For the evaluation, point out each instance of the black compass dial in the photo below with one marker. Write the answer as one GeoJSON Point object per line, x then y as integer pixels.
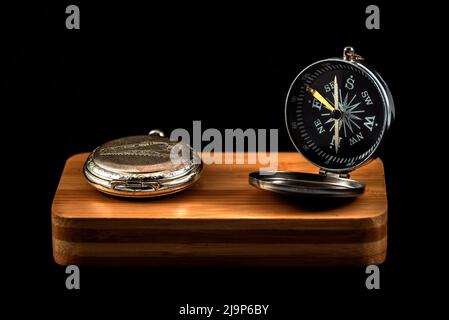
{"type": "Point", "coordinates": [336, 114]}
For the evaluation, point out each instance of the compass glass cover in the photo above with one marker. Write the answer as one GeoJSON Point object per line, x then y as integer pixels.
{"type": "Point", "coordinates": [336, 135]}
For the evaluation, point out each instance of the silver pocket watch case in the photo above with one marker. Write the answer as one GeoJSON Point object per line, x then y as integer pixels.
{"type": "Point", "coordinates": [142, 166]}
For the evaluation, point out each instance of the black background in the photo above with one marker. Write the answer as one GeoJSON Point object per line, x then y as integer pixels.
{"type": "Point", "coordinates": [132, 68]}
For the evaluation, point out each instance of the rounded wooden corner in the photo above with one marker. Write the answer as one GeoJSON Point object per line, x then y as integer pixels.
{"type": "Point", "coordinates": [63, 252]}
{"type": "Point", "coordinates": [377, 221]}
{"type": "Point", "coordinates": [58, 257]}
{"type": "Point", "coordinates": [377, 259]}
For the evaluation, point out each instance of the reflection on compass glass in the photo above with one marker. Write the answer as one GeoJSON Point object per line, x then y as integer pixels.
{"type": "Point", "coordinates": [336, 114]}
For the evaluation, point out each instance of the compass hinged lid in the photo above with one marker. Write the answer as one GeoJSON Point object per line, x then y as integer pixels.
{"type": "Point", "coordinates": [307, 184]}
{"type": "Point", "coordinates": [142, 166]}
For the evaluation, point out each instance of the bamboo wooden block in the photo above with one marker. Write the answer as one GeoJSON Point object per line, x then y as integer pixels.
{"type": "Point", "coordinates": [221, 220]}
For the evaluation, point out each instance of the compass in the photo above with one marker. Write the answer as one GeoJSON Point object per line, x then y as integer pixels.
{"type": "Point", "coordinates": [337, 112]}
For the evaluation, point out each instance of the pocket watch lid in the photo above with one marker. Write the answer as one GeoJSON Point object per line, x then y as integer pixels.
{"type": "Point", "coordinates": [138, 155]}
{"type": "Point", "coordinates": [306, 184]}
{"type": "Point", "coordinates": [142, 166]}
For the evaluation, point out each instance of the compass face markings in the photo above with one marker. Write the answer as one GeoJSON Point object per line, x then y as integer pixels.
{"type": "Point", "coordinates": [370, 122]}
{"type": "Point", "coordinates": [360, 115]}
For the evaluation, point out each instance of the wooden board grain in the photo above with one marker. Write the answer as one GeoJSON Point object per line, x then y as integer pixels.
{"type": "Point", "coordinates": [221, 220]}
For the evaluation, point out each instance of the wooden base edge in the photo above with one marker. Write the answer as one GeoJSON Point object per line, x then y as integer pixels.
{"type": "Point", "coordinates": [220, 255]}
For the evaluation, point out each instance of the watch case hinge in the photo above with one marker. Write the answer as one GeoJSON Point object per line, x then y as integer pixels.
{"type": "Point", "coordinates": [136, 185]}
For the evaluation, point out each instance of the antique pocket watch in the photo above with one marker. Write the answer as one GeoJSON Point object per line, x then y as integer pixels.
{"type": "Point", "coordinates": [142, 166]}
{"type": "Point", "coordinates": [337, 112]}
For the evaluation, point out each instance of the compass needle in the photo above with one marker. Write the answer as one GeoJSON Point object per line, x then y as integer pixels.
{"type": "Point", "coordinates": [337, 124]}
{"type": "Point", "coordinates": [320, 98]}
